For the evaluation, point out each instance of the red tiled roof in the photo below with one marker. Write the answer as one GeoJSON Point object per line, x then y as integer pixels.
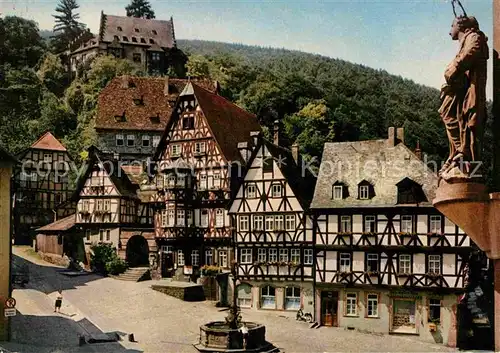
{"type": "Point", "coordinates": [117, 100]}
{"type": "Point", "coordinates": [60, 225]}
{"type": "Point", "coordinates": [229, 123]}
{"type": "Point", "coordinates": [48, 142]}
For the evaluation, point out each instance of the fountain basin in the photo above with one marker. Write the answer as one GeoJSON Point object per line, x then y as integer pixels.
{"type": "Point", "coordinates": [217, 336]}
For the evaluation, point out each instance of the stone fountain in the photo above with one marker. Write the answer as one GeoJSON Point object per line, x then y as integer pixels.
{"type": "Point", "coordinates": [233, 334]}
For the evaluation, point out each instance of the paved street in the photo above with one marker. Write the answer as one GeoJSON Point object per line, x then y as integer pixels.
{"type": "Point", "coordinates": [160, 323]}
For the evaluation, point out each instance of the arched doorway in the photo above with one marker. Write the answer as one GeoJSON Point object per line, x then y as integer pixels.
{"type": "Point", "coordinates": [137, 251]}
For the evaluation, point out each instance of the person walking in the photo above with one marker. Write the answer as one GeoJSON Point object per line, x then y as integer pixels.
{"type": "Point", "coordinates": [58, 303]}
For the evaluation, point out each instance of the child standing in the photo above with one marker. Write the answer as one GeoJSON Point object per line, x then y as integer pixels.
{"type": "Point", "coordinates": [58, 304]}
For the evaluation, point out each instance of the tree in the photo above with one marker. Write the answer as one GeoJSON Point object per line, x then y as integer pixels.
{"type": "Point", "coordinates": [67, 28]}
{"type": "Point", "coordinates": [20, 43]}
{"type": "Point", "coordinates": [53, 75]}
{"type": "Point", "coordinates": [140, 9]}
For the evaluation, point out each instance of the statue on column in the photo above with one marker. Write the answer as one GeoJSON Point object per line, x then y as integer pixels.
{"type": "Point", "coordinates": [463, 99]}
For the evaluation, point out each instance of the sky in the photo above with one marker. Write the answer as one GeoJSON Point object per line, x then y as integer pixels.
{"type": "Point", "coordinates": [404, 37]}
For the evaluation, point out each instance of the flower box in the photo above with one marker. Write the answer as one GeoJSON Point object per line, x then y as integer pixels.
{"type": "Point", "coordinates": [432, 327]}
{"type": "Point", "coordinates": [402, 274]}
{"type": "Point", "coordinates": [405, 234]}
{"type": "Point", "coordinates": [372, 273]}
{"type": "Point", "coordinates": [345, 234]}
{"type": "Point", "coordinates": [435, 234]}
{"type": "Point", "coordinates": [208, 270]}
{"type": "Point", "coordinates": [433, 275]}
{"type": "Point", "coordinates": [369, 234]}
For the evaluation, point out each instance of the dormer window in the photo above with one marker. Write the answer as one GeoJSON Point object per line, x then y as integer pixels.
{"type": "Point", "coordinates": [151, 41]}
{"type": "Point", "coordinates": [139, 101]}
{"type": "Point", "coordinates": [134, 39]}
{"type": "Point", "coordinates": [188, 122]}
{"type": "Point", "coordinates": [120, 118]}
{"type": "Point", "coordinates": [365, 190]}
{"type": "Point", "coordinates": [143, 40]}
{"type": "Point", "coordinates": [136, 30]}
{"type": "Point", "coordinates": [154, 32]}
{"type": "Point", "coordinates": [116, 38]}
{"type": "Point", "coordinates": [119, 28]}
{"type": "Point", "coordinates": [410, 192]}
{"type": "Point", "coordinates": [339, 191]}
{"type": "Point", "coordinates": [155, 119]}
{"type": "Point", "coordinates": [125, 39]}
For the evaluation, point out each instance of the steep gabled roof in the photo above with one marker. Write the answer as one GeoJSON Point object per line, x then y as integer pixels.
{"type": "Point", "coordinates": [48, 142]}
{"type": "Point", "coordinates": [145, 103]}
{"type": "Point", "coordinates": [229, 123]}
{"type": "Point", "coordinates": [5, 156]}
{"type": "Point", "coordinates": [139, 28]}
{"type": "Point", "coordinates": [383, 165]}
{"type": "Point", "coordinates": [116, 174]}
{"type": "Point", "coordinates": [60, 225]}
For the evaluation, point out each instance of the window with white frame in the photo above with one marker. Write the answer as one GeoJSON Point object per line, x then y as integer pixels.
{"type": "Point", "coordinates": [204, 218]}
{"type": "Point", "coordinates": [145, 140]}
{"type": "Point", "coordinates": [337, 193]}
{"type": "Point", "coordinates": [243, 223]}
{"type": "Point", "coordinates": [180, 258]}
{"type": "Point", "coordinates": [372, 305]}
{"type": "Point", "coordinates": [273, 255]}
{"type": "Point", "coordinates": [199, 147]}
{"type": "Point", "coordinates": [222, 258]}
{"type": "Point", "coordinates": [278, 222]}
{"type": "Point", "coordinates": [85, 205]}
{"type": "Point", "coordinates": [209, 257]}
{"type": "Point", "coordinates": [202, 185]}
{"type": "Point", "coordinates": [180, 217]}
{"type": "Point", "coordinates": [107, 205]}
{"type": "Point", "coordinates": [261, 254]}
{"type": "Point", "coordinates": [195, 257]}
{"type": "Point", "coordinates": [434, 263]}
{"type": "Point", "coordinates": [244, 295]}
{"type": "Point", "coordinates": [219, 218]}
{"type": "Point", "coordinates": [170, 218]}
{"type": "Point", "coordinates": [101, 235]}
{"type": "Point", "coordinates": [176, 150]}
{"type": "Point", "coordinates": [269, 223]}
{"type": "Point", "coordinates": [100, 205]}
{"type": "Point", "coordinates": [295, 256]}
{"type": "Point", "coordinates": [156, 141]}
{"type": "Point", "coordinates": [434, 310]}
{"type": "Point", "coordinates": [370, 224]}
{"type": "Point", "coordinates": [351, 307]}
{"type": "Point", "coordinates": [47, 158]}
{"type": "Point", "coordinates": [290, 222]}
{"type": "Point", "coordinates": [246, 256]}
{"type": "Point", "coordinates": [372, 262]}
{"type": "Point", "coordinates": [345, 224]}
{"type": "Point", "coordinates": [364, 192]}
{"type": "Point", "coordinates": [108, 235]}
{"type": "Point", "coordinates": [406, 224]}
{"type": "Point", "coordinates": [119, 140]}
{"type": "Point", "coordinates": [435, 224]}
{"type": "Point", "coordinates": [216, 180]}
{"type": "Point", "coordinates": [251, 191]}
{"type": "Point", "coordinates": [308, 256]}
{"type": "Point", "coordinates": [34, 176]}
{"type": "Point", "coordinates": [276, 190]}
{"type": "Point", "coordinates": [292, 298]}
{"type": "Point", "coordinates": [345, 262]}
{"type": "Point", "coordinates": [130, 140]}
{"type": "Point", "coordinates": [189, 217]}
{"type": "Point", "coordinates": [283, 255]}
{"type": "Point", "coordinates": [258, 223]}
{"type": "Point", "coordinates": [404, 263]}
{"type": "Point", "coordinates": [268, 297]}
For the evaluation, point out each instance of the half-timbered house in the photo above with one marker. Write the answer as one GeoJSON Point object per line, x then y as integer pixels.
{"type": "Point", "coordinates": [386, 260]}
{"type": "Point", "coordinates": [109, 208]}
{"type": "Point", "coordinates": [273, 232]}
{"type": "Point", "coordinates": [132, 114]}
{"type": "Point", "coordinates": [198, 165]}
{"type": "Point", "coordinates": [41, 184]}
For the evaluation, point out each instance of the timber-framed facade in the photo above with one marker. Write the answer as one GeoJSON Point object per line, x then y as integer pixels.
{"type": "Point", "coordinates": [41, 186]}
{"type": "Point", "coordinates": [198, 166]}
{"type": "Point", "coordinates": [382, 252]}
{"type": "Point", "coordinates": [273, 231]}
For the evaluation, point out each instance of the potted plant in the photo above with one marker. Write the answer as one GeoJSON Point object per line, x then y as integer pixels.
{"type": "Point", "coordinates": [433, 324]}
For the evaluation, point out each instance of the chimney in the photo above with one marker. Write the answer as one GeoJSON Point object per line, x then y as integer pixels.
{"type": "Point", "coordinates": [295, 152]}
{"type": "Point", "coordinates": [391, 139]}
{"type": "Point", "coordinates": [216, 87]}
{"type": "Point", "coordinates": [418, 151]}
{"type": "Point", "coordinates": [400, 134]}
{"type": "Point", "coordinates": [276, 139]}
{"type": "Point", "coordinates": [165, 88]}
{"type": "Point", "coordinates": [124, 82]}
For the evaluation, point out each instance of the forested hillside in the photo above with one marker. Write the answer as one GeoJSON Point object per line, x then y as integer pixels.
{"type": "Point", "coordinates": [318, 99]}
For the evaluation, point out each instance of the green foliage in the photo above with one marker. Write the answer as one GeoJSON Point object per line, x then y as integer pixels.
{"type": "Point", "coordinates": [116, 266]}
{"type": "Point", "coordinates": [103, 258]}
{"type": "Point", "coordinates": [52, 74]}
{"type": "Point", "coordinates": [140, 9]}
{"type": "Point", "coordinates": [67, 27]}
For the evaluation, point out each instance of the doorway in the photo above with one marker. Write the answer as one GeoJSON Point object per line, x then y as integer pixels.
{"type": "Point", "coordinates": [137, 251]}
{"type": "Point", "coordinates": [403, 316]}
{"type": "Point", "coordinates": [329, 308]}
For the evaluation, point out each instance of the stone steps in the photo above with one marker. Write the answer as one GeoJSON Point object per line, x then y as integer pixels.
{"type": "Point", "coordinates": [134, 274]}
